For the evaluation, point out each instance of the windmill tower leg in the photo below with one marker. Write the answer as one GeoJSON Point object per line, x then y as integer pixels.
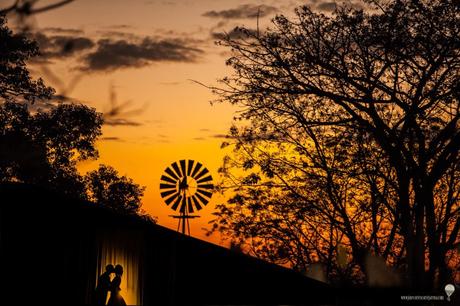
{"type": "Point", "coordinates": [183, 219]}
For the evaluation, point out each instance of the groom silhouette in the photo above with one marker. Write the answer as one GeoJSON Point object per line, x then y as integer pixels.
{"type": "Point", "coordinates": [103, 286]}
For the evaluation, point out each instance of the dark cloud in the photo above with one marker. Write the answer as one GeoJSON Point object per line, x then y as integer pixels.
{"type": "Point", "coordinates": [210, 134]}
{"type": "Point", "coordinates": [234, 34]}
{"type": "Point", "coordinates": [327, 6]}
{"type": "Point", "coordinates": [59, 46]}
{"type": "Point", "coordinates": [63, 30]}
{"type": "Point", "coordinates": [121, 122]}
{"type": "Point", "coordinates": [245, 11]}
{"type": "Point", "coordinates": [114, 54]}
{"type": "Point", "coordinates": [116, 34]}
{"type": "Point", "coordinates": [331, 6]}
{"type": "Point", "coordinates": [116, 50]}
{"type": "Point", "coordinates": [221, 136]}
{"type": "Point", "coordinates": [110, 138]}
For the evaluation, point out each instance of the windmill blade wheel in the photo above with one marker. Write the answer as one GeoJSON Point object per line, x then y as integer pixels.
{"type": "Point", "coordinates": [186, 186]}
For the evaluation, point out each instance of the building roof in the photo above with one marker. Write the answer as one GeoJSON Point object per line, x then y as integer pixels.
{"type": "Point", "coordinates": [57, 234]}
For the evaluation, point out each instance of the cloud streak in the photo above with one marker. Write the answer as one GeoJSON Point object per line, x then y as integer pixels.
{"type": "Point", "coordinates": [330, 6]}
{"type": "Point", "coordinates": [112, 54]}
{"type": "Point", "coordinates": [245, 11]}
{"type": "Point", "coordinates": [110, 138]}
{"type": "Point", "coordinates": [115, 50]}
{"type": "Point", "coordinates": [67, 31]}
{"type": "Point", "coordinates": [61, 46]}
{"type": "Point", "coordinates": [121, 122]}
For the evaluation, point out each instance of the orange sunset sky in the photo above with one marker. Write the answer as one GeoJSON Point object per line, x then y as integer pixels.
{"type": "Point", "coordinates": [142, 55]}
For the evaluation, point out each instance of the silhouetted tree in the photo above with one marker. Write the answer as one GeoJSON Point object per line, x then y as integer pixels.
{"type": "Point", "coordinates": [44, 148]}
{"type": "Point", "coordinates": [42, 144]}
{"type": "Point", "coordinates": [107, 188]}
{"type": "Point", "coordinates": [22, 158]}
{"type": "Point", "coordinates": [39, 147]}
{"type": "Point", "coordinates": [15, 81]}
{"type": "Point", "coordinates": [351, 139]}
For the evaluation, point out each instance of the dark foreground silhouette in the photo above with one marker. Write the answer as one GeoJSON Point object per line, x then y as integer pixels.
{"type": "Point", "coordinates": [63, 235]}
{"type": "Point", "coordinates": [103, 286]}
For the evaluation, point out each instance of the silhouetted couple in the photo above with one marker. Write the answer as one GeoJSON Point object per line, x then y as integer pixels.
{"type": "Point", "coordinates": [106, 285]}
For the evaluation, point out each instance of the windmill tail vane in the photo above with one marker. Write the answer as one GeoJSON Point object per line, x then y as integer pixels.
{"type": "Point", "coordinates": [186, 186]}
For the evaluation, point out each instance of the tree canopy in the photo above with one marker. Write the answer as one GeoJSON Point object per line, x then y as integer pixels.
{"type": "Point", "coordinates": [42, 144]}
{"type": "Point", "coordinates": [15, 80]}
{"type": "Point", "coordinates": [44, 148]}
{"type": "Point", "coordinates": [348, 140]}
{"type": "Point", "coordinates": [109, 189]}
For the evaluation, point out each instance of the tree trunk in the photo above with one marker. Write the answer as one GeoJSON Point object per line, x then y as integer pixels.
{"type": "Point", "coordinates": [436, 253]}
{"type": "Point", "coordinates": [411, 221]}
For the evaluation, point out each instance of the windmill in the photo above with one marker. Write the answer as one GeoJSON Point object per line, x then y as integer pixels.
{"type": "Point", "coordinates": [186, 186]}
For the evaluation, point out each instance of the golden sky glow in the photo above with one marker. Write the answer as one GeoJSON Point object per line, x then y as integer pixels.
{"type": "Point", "coordinates": [177, 120]}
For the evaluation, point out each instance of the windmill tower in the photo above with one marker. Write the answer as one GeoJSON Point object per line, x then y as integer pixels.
{"type": "Point", "coordinates": [186, 186]}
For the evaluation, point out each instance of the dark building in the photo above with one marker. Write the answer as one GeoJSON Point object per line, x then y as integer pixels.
{"type": "Point", "coordinates": [53, 248]}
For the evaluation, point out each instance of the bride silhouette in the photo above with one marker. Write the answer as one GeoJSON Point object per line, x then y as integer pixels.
{"type": "Point", "coordinates": [115, 297]}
